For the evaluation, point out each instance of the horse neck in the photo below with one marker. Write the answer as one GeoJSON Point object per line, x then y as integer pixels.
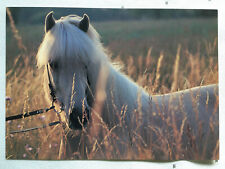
{"type": "Point", "coordinates": [126, 92]}
{"type": "Point", "coordinates": [120, 90]}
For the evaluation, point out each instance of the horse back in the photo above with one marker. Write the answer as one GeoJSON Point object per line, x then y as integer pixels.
{"type": "Point", "coordinates": [189, 118]}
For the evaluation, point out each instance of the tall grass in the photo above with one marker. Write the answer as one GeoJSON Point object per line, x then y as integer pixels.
{"type": "Point", "coordinates": [156, 73]}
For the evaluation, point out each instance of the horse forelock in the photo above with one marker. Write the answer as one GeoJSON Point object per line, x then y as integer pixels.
{"type": "Point", "coordinates": [67, 43]}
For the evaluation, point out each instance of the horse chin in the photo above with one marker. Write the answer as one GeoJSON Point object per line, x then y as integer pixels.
{"type": "Point", "coordinates": [77, 121]}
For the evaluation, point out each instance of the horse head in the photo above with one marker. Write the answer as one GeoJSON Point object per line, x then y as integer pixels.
{"type": "Point", "coordinates": [65, 49]}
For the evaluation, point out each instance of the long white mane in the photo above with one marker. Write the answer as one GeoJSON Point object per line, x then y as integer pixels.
{"type": "Point", "coordinates": [68, 44]}
{"type": "Point", "coordinates": [65, 42]}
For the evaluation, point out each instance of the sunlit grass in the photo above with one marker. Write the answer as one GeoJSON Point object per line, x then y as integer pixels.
{"type": "Point", "coordinates": [157, 67]}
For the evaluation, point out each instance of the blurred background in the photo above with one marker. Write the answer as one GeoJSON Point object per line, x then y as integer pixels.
{"type": "Point", "coordinates": [35, 15]}
{"type": "Point", "coordinates": [121, 29]}
{"type": "Point", "coordinates": [163, 50]}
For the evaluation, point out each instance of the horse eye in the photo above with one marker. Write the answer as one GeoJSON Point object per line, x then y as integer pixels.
{"type": "Point", "coordinates": [54, 65]}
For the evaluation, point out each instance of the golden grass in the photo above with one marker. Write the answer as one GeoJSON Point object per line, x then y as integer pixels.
{"type": "Point", "coordinates": [24, 86]}
{"type": "Point", "coordinates": [15, 31]}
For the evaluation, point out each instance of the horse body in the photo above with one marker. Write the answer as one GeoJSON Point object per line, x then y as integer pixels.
{"type": "Point", "coordinates": [193, 113]}
{"type": "Point", "coordinates": [77, 59]}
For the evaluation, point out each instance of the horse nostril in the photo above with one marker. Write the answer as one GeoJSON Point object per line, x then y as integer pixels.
{"type": "Point", "coordinates": [78, 119]}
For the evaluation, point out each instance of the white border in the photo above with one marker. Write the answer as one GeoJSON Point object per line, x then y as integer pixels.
{"type": "Point", "coordinates": [181, 4]}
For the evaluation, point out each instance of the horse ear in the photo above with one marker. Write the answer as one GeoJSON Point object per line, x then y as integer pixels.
{"type": "Point", "coordinates": [49, 21]}
{"type": "Point", "coordinates": [84, 23]}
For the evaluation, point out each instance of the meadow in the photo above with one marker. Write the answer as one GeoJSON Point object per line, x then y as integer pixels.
{"type": "Point", "coordinates": [160, 55]}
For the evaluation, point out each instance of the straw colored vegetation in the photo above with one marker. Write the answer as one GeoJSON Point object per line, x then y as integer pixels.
{"type": "Point", "coordinates": [159, 67]}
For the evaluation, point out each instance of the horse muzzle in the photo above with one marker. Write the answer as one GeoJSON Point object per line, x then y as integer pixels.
{"type": "Point", "coordinates": [78, 118]}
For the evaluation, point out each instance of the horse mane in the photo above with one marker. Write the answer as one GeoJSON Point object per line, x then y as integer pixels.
{"type": "Point", "coordinates": [66, 41]}
{"type": "Point", "coordinates": [67, 44]}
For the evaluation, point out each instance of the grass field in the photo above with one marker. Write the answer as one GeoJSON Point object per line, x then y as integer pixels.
{"type": "Point", "coordinates": [148, 51]}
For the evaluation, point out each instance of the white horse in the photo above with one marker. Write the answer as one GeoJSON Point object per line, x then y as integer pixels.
{"type": "Point", "coordinates": [99, 99]}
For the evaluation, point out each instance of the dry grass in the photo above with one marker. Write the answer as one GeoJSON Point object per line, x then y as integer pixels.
{"type": "Point", "coordinates": [25, 88]}
{"type": "Point", "coordinates": [155, 74]}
